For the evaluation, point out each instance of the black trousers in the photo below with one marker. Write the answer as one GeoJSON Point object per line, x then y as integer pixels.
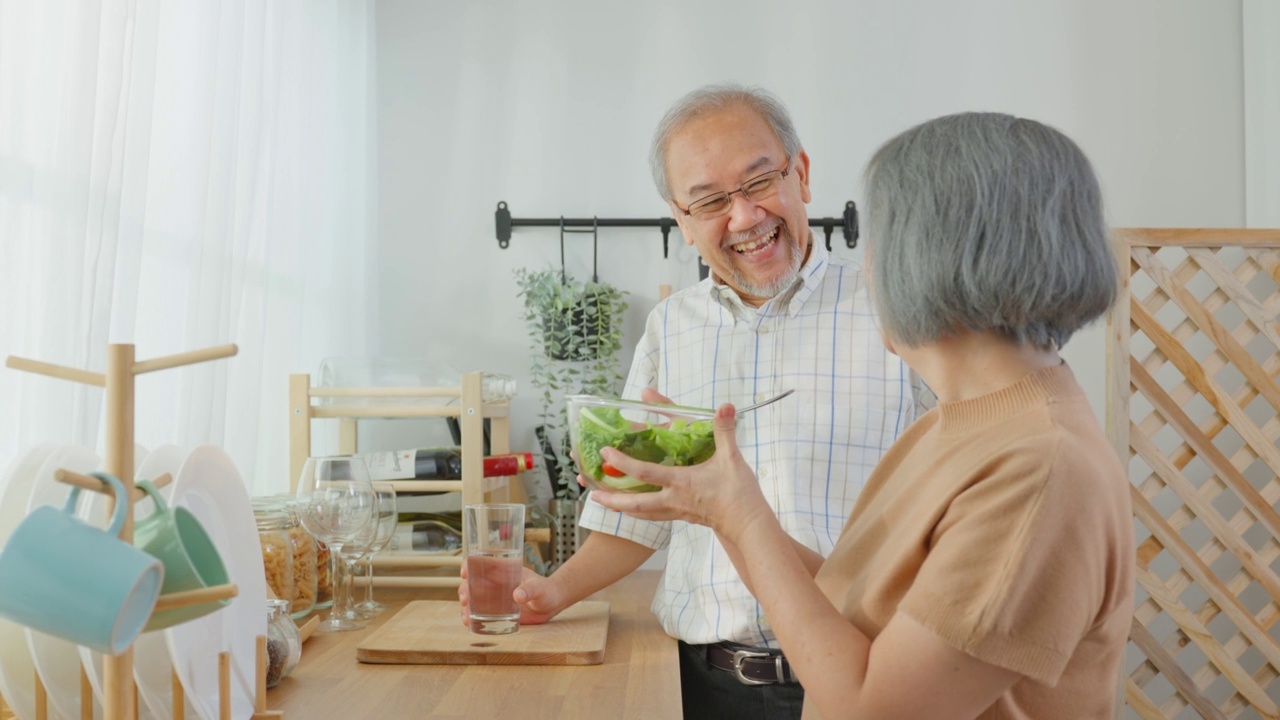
{"type": "Point", "coordinates": [709, 693]}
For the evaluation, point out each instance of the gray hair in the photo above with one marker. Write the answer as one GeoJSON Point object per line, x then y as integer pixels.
{"type": "Point", "coordinates": [712, 98]}
{"type": "Point", "coordinates": [984, 221]}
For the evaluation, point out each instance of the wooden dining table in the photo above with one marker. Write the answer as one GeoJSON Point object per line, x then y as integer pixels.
{"type": "Point", "coordinates": [639, 678]}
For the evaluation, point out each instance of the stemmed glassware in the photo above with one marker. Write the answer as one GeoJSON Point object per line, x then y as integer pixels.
{"type": "Point", "coordinates": [335, 503]}
{"type": "Point", "coordinates": [384, 529]}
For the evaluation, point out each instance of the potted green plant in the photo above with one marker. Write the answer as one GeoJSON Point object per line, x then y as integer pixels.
{"type": "Point", "coordinates": [575, 332]}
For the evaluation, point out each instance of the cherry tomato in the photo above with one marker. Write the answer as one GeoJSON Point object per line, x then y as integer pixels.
{"type": "Point", "coordinates": [610, 470]}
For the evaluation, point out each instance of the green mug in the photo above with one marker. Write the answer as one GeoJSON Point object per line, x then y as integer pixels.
{"type": "Point", "coordinates": [191, 561]}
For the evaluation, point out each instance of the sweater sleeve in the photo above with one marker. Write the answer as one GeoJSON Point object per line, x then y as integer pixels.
{"type": "Point", "coordinates": [1016, 567]}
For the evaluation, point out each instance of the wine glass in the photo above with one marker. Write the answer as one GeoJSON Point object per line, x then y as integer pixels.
{"type": "Point", "coordinates": [385, 529]}
{"type": "Point", "coordinates": [335, 502]}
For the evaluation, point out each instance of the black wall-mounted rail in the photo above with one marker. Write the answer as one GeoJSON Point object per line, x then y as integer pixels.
{"type": "Point", "coordinates": [503, 223]}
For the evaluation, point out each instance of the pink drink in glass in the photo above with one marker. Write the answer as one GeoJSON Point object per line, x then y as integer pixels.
{"type": "Point", "coordinates": [492, 576]}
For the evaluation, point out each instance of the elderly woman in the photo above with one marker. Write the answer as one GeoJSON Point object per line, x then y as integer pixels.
{"type": "Point", "coordinates": [986, 571]}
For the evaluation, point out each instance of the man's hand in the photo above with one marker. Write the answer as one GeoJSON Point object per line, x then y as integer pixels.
{"type": "Point", "coordinates": [538, 598]}
{"type": "Point", "coordinates": [653, 397]}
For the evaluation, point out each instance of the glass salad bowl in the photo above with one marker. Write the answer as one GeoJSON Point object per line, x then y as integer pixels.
{"type": "Point", "coordinates": [665, 434]}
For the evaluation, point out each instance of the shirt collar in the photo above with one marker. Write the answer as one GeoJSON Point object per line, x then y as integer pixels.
{"type": "Point", "coordinates": [810, 277]}
{"type": "Point", "coordinates": [790, 300]}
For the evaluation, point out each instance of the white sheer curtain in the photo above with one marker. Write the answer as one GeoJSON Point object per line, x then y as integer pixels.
{"type": "Point", "coordinates": [179, 175]}
{"type": "Point", "coordinates": [1262, 112]}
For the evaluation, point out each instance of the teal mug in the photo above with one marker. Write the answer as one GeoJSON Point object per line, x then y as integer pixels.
{"type": "Point", "coordinates": [71, 580]}
{"type": "Point", "coordinates": [191, 561]}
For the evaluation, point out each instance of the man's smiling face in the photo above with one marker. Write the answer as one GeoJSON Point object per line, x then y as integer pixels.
{"type": "Point", "coordinates": [756, 247]}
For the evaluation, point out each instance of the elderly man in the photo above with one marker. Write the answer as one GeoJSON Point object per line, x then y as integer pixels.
{"type": "Point", "coordinates": [776, 313]}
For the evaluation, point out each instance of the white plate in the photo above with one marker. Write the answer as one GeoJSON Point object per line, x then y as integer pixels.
{"type": "Point", "coordinates": [58, 660]}
{"type": "Point", "coordinates": [17, 669]}
{"type": "Point", "coordinates": [211, 488]}
{"type": "Point", "coordinates": [152, 669]}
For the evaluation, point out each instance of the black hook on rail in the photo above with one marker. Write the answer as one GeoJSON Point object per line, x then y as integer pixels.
{"type": "Point", "coordinates": [595, 248]}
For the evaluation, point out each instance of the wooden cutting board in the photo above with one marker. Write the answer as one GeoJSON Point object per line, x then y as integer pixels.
{"type": "Point", "coordinates": [430, 632]}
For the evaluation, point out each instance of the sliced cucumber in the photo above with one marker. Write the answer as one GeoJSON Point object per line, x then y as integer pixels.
{"type": "Point", "coordinates": [587, 416]}
{"type": "Point", "coordinates": [626, 483]}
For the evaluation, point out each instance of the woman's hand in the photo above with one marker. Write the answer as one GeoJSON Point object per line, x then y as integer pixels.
{"type": "Point", "coordinates": [721, 493]}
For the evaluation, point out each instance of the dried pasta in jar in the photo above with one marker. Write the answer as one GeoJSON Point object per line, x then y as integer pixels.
{"type": "Point", "coordinates": [277, 550]}
{"type": "Point", "coordinates": [305, 577]}
{"type": "Point", "coordinates": [324, 576]}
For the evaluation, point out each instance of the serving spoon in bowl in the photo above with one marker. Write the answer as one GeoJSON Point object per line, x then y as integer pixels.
{"type": "Point", "coordinates": [761, 404]}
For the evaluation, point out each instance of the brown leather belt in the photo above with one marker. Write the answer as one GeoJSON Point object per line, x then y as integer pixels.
{"type": "Point", "coordinates": [752, 666]}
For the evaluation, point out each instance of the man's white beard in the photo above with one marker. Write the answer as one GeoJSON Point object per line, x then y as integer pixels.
{"type": "Point", "coordinates": [784, 280]}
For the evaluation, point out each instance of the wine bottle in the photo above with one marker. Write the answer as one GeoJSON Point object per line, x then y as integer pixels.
{"type": "Point", "coordinates": [439, 464]}
{"type": "Point", "coordinates": [433, 532]}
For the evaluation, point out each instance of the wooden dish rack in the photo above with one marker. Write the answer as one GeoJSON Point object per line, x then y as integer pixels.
{"type": "Point", "coordinates": [352, 404]}
{"type": "Point", "coordinates": [120, 699]}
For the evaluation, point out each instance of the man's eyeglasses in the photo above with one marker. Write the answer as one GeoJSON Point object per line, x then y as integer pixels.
{"type": "Point", "coordinates": [756, 189]}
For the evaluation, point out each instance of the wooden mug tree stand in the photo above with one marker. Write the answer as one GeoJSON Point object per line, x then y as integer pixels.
{"type": "Point", "coordinates": [120, 699]}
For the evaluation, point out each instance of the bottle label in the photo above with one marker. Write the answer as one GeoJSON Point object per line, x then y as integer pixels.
{"type": "Point", "coordinates": [390, 465]}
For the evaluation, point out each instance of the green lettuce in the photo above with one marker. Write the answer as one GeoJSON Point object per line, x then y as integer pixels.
{"type": "Point", "coordinates": [680, 443]}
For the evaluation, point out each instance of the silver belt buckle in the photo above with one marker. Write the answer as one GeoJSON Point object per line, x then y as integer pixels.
{"type": "Point", "coordinates": [740, 655]}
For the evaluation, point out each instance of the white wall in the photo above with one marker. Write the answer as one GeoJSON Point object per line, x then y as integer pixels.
{"type": "Point", "coordinates": [1261, 21]}
{"type": "Point", "coordinates": [550, 106]}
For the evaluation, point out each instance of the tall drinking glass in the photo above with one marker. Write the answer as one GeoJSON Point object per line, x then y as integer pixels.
{"type": "Point", "coordinates": [385, 529]}
{"type": "Point", "coordinates": [494, 535]}
{"type": "Point", "coordinates": [335, 502]}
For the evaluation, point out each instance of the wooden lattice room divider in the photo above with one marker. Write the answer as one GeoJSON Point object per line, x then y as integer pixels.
{"type": "Point", "coordinates": [1193, 403]}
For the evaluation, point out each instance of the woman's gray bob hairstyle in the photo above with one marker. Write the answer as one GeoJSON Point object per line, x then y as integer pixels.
{"type": "Point", "coordinates": [710, 98]}
{"type": "Point", "coordinates": [983, 221]}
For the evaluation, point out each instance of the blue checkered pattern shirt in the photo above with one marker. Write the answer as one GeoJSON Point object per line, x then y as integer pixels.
{"type": "Point", "coordinates": [812, 451]}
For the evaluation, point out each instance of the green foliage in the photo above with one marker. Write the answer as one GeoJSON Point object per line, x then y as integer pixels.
{"type": "Point", "coordinates": [575, 332]}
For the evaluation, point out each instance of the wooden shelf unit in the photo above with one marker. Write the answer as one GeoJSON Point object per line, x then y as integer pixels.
{"type": "Point", "coordinates": [353, 404]}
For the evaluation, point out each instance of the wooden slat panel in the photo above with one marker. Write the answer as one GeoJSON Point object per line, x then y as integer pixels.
{"type": "Point", "coordinates": [1212, 456]}
{"type": "Point", "coordinates": [1137, 700]}
{"type": "Point", "coordinates": [1173, 672]}
{"type": "Point", "coordinates": [1230, 434]}
{"type": "Point", "coordinates": [1118, 361]}
{"type": "Point", "coordinates": [1207, 582]}
{"type": "Point", "coordinates": [1268, 260]}
{"type": "Point", "coordinates": [1222, 339]}
{"type": "Point", "coordinates": [1239, 294]}
{"type": "Point", "coordinates": [1170, 539]}
{"type": "Point", "coordinates": [1203, 237]}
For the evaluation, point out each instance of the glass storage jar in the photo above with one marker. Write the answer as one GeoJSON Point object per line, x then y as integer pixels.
{"type": "Point", "coordinates": [324, 577]}
{"type": "Point", "coordinates": [305, 558]}
{"type": "Point", "coordinates": [284, 644]}
{"type": "Point", "coordinates": [277, 551]}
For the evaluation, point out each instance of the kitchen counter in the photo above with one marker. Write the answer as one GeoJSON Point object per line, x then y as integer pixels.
{"type": "Point", "coordinates": [640, 676]}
